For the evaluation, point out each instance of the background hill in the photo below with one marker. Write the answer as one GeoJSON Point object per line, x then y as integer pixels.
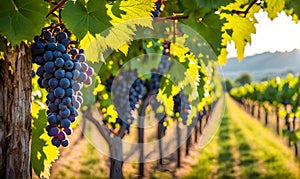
{"type": "Point", "coordinates": [264, 65]}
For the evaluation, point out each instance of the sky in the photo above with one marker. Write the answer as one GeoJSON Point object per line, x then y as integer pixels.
{"type": "Point", "coordinates": [282, 34]}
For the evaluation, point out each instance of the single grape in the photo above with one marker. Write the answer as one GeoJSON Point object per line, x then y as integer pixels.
{"type": "Point", "coordinates": [69, 92]}
{"type": "Point", "coordinates": [51, 46]}
{"type": "Point", "coordinates": [61, 135]}
{"type": "Point", "coordinates": [57, 54]}
{"type": "Point", "coordinates": [61, 48]}
{"type": "Point", "coordinates": [75, 74]}
{"type": "Point", "coordinates": [61, 36]}
{"type": "Point", "coordinates": [48, 56]}
{"type": "Point", "coordinates": [69, 75]}
{"type": "Point", "coordinates": [90, 71]}
{"type": "Point", "coordinates": [65, 123]}
{"type": "Point", "coordinates": [76, 86]}
{"type": "Point", "coordinates": [65, 42]}
{"type": "Point", "coordinates": [54, 131]}
{"type": "Point", "coordinates": [88, 81]}
{"type": "Point", "coordinates": [64, 83]}
{"type": "Point", "coordinates": [59, 74]}
{"type": "Point", "coordinates": [40, 71]}
{"type": "Point", "coordinates": [62, 106]}
{"type": "Point", "coordinates": [66, 100]}
{"type": "Point", "coordinates": [66, 57]}
{"type": "Point", "coordinates": [59, 62]}
{"type": "Point", "coordinates": [49, 67]}
{"type": "Point", "coordinates": [52, 119]}
{"type": "Point", "coordinates": [84, 67]}
{"type": "Point", "coordinates": [55, 141]}
{"type": "Point", "coordinates": [68, 131]}
{"type": "Point", "coordinates": [65, 143]}
{"type": "Point", "coordinates": [59, 92]}
{"type": "Point", "coordinates": [64, 113]}
{"type": "Point", "coordinates": [69, 65]}
{"type": "Point", "coordinates": [73, 51]}
{"type": "Point", "coordinates": [51, 97]}
{"type": "Point", "coordinates": [53, 82]}
{"type": "Point", "coordinates": [39, 60]}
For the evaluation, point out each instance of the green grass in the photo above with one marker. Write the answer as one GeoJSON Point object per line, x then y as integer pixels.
{"type": "Point", "coordinates": [243, 148]}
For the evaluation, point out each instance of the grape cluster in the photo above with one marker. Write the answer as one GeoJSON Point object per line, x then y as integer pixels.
{"type": "Point", "coordinates": [127, 90]}
{"type": "Point", "coordinates": [62, 72]}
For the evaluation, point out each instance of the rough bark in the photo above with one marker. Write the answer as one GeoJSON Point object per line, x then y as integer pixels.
{"type": "Point", "coordinates": [266, 117]}
{"type": "Point", "coordinates": [178, 143]}
{"type": "Point", "coordinates": [277, 121]}
{"type": "Point", "coordinates": [15, 113]}
{"type": "Point", "coordinates": [159, 137]}
{"type": "Point", "coordinates": [116, 163]}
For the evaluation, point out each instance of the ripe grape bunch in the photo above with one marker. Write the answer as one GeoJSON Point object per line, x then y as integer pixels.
{"type": "Point", "coordinates": [62, 72]}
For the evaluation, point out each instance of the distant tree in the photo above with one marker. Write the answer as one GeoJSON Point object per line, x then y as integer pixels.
{"type": "Point", "coordinates": [265, 78]}
{"type": "Point", "coordinates": [227, 84]}
{"type": "Point", "coordinates": [243, 79]}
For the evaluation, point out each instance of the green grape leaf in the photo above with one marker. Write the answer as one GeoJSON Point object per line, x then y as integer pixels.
{"type": "Point", "coordinates": [21, 20]}
{"type": "Point", "coordinates": [210, 29]}
{"type": "Point", "coordinates": [242, 28]}
{"type": "Point", "coordinates": [212, 4]}
{"type": "Point", "coordinates": [82, 17]}
{"type": "Point", "coordinates": [43, 153]}
{"type": "Point", "coordinates": [273, 7]}
{"type": "Point", "coordinates": [295, 7]}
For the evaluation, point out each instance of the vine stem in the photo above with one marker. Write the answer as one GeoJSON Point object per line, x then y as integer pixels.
{"type": "Point", "coordinates": [247, 10]}
{"type": "Point", "coordinates": [59, 5]}
{"type": "Point", "coordinates": [14, 4]}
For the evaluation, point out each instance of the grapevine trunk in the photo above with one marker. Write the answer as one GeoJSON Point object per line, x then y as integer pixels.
{"type": "Point", "coordinates": [15, 113]}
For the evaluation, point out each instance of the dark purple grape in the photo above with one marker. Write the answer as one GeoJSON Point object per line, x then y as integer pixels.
{"type": "Point", "coordinates": [59, 92]}
{"type": "Point", "coordinates": [66, 100]}
{"type": "Point", "coordinates": [69, 92]}
{"type": "Point", "coordinates": [69, 75]}
{"type": "Point", "coordinates": [38, 48]}
{"type": "Point", "coordinates": [68, 131]}
{"type": "Point", "coordinates": [69, 65]}
{"type": "Point", "coordinates": [52, 119]}
{"type": "Point", "coordinates": [39, 60]}
{"type": "Point", "coordinates": [73, 51]}
{"type": "Point", "coordinates": [53, 82]}
{"type": "Point", "coordinates": [65, 42]}
{"type": "Point", "coordinates": [54, 131]}
{"type": "Point", "coordinates": [64, 83]}
{"type": "Point", "coordinates": [50, 67]}
{"type": "Point", "coordinates": [59, 74]}
{"type": "Point", "coordinates": [55, 141]}
{"type": "Point", "coordinates": [61, 36]}
{"type": "Point", "coordinates": [40, 71]}
{"type": "Point", "coordinates": [76, 86]}
{"type": "Point", "coordinates": [51, 46]}
{"type": "Point", "coordinates": [61, 135]}
{"type": "Point", "coordinates": [64, 113]}
{"type": "Point", "coordinates": [50, 97]}
{"type": "Point", "coordinates": [48, 56]}
{"type": "Point", "coordinates": [61, 48]}
{"type": "Point", "coordinates": [66, 57]}
{"type": "Point", "coordinates": [62, 106]}
{"type": "Point", "coordinates": [81, 50]}
{"type": "Point", "coordinates": [59, 62]}
{"type": "Point", "coordinates": [90, 71]}
{"type": "Point", "coordinates": [65, 123]}
{"type": "Point", "coordinates": [65, 143]}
